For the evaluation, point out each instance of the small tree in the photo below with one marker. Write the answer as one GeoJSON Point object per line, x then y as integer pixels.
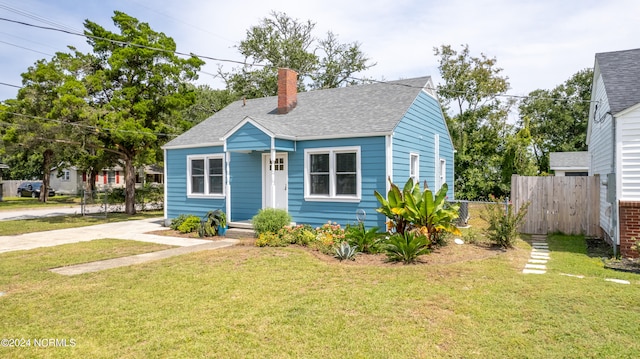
{"type": "Point", "coordinates": [503, 222]}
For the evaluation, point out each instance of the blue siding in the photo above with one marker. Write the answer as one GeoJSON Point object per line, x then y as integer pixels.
{"type": "Point", "coordinates": [248, 137]}
{"type": "Point", "coordinates": [177, 201]}
{"type": "Point", "coordinates": [372, 156]}
{"type": "Point", "coordinates": [285, 145]}
{"type": "Point", "coordinates": [246, 185]}
{"type": "Point", "coordinates": [415, 133]}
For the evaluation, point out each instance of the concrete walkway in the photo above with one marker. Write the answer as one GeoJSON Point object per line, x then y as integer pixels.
{"type": "Point", "coordinates": [140, 258]}
{"type": "Point", "coordinates": [129, 230]}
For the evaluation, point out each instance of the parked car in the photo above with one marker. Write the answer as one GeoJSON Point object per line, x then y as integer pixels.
{"type": "Point", "coordinates": [32, 189]}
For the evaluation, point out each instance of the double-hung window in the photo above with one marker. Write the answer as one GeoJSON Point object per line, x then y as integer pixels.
{"type": "Point", "coordinates": [205, 175]}
{"type": "Point", "coordinates": [332, 174]}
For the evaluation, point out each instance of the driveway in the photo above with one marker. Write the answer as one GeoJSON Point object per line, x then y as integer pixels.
{"type": "Point", "coordinates": [128, 230]}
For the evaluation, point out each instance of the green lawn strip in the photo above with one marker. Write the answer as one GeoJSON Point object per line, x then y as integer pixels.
{"type": "Point", "coordinates": [14, 203]}
{"type": "Point", "coordinates": [8, 228]}
{"type": "Point", "coordinates": [285, 303]}
{"type": "Point", "coordinates": [568, 255]}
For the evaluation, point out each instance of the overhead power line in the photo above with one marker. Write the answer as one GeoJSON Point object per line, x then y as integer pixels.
{"type": "Point", "coordinates": [124, 43]}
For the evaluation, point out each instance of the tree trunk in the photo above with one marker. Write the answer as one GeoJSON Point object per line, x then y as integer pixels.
{"type": "Point", "coordinates": [90, 185]}
{"type": "Point", "coordinates": [130, 186]}
{"type": "Point", "coordinates": [47, 156]}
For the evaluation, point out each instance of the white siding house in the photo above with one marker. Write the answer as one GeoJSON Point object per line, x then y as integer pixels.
{"type": "Point", "coordinates": [613, 137]}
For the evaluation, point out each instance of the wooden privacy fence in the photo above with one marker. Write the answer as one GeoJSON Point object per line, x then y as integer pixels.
{"type": "Point", "coordinates": [568, 205]}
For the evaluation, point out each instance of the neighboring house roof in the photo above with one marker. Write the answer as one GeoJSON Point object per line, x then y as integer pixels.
{"type": "Point", "coordinates": [621, 76]}
{"type": "Point", "coordinates": [353, 111]}
{"type": "Point", "coordinates": [569, 160]}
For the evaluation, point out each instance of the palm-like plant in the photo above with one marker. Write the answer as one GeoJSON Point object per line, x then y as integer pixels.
{"type": "Point", "coordinates": [412, 208]}
{"type": "Point", "coordinates": [407, 247]}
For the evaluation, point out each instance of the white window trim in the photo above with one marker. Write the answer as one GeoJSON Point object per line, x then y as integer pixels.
{"type": "Point", "coordinates": [332, 197]}
{"type": "Point", "coordinates": [206, 159]}
{"type": "Point", "coordinates": [443, 172]}
{"type": "Point", "coordinates": [414, 172]}
{"type": "Point", "coordinates": [66, 176]}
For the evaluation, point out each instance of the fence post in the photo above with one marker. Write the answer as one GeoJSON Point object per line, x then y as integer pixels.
{"type": "Point", "coordinates": [506, 206]}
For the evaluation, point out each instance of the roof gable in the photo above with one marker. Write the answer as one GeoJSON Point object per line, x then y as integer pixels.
{"type": "Point", "coordinates": [347, 111]}
{"type": "Point", "coordinates": [620, 71]}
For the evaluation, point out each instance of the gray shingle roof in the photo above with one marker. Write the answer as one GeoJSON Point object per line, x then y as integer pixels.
{"type": "Point", "coordinates": [577, 159]}
{"type": "Point", "coordinates": [621, 75]}
{"type": "Point", "coordinates": [347, 111]}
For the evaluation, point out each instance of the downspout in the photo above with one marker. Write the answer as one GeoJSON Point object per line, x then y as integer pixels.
{"type": "Point", "coordinates": [615, 204]}
{"type": "Point", "coordinates": [166, 196]}
{"type": "Point", "coordinates": [227, 160]}
{"type": "Point", "coordinates": [273, 172]}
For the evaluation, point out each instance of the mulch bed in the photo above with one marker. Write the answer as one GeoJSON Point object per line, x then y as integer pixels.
{"type": "Point", "coordinates": [598, 248]}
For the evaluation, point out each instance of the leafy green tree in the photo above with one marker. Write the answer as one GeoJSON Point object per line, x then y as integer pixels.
{"type": "Point", "coordinates": [477, 122]}
{"type": "Point", "coordinates": [207, 102]}
{"type": "Point", "coordinates": [281, 41]}
{"type": "Point", "coordinates": [138, 91]}
{"type": "Point", "coordinates": [558, 118]}
{"type": "Point", "coordinates": [48, 111]}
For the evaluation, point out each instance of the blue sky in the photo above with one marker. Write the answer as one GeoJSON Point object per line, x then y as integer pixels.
{"type": "Point", "coordinates": [538, 43]}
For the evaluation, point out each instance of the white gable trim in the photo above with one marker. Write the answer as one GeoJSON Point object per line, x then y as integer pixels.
{"type": "Point", "coordinates": [627, 111]}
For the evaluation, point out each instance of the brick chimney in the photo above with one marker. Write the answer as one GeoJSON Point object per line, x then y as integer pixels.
{"type": "Point", "coordinates": [287, 90]}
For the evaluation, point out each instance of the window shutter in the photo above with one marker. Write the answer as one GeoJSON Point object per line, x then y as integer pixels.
{"type": "Point", "coordinates": [104, 177]}
{"type": "Point", "coordinates": [117, 177]}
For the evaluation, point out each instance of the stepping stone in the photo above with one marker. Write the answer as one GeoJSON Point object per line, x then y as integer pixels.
{"type": "Point", "coordinates": [619, 281]}
{"type": "Point", "coordinates": [539, 250]}
{"type": "Point", "coordinates": [540, 255]}
{"type": "Point", "coordinates": [572, 275]}
{"type": "Point", "coordinates": [533, 271]}
{"type": "Point", "coordinates": [535, 245]}
{"type": "Point", "coordinates": [535, 266]}
{"type": "Point", "coordinates": [538, 261]}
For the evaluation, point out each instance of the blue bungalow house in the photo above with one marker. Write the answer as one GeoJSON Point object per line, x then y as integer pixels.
{"type": "Point", "coordinates": [320, 155]}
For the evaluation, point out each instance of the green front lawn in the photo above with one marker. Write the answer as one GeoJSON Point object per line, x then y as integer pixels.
{"type": "Point", "coordinates": [245, 302]}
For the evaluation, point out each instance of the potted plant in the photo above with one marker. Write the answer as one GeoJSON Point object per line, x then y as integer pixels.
{"type": "Point", "coordinates": [214, 223]}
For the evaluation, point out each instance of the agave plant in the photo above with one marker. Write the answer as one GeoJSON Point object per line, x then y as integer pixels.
{"type": "Point", "coordinates": [345, 251]}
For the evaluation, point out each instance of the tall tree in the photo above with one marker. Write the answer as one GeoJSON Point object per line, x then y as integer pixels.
{"type": "Point", "coordinates": [558, 118]}
{"type": "Point", "coordinates": [207, 102]}
{"type": "Point", "coordinates": [139, 88]}
{"type": "Point", "coordinates": [281, 41]}
{"type": "Point", "coordinates": [47, 112]}
{"type": "Point", "coordinates": [477, 122]}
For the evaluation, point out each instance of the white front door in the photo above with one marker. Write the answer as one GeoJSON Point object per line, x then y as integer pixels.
{"type": "Point", "coordinates": [275, 181]}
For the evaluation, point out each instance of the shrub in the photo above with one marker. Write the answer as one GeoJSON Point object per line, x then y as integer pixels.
{"type": "Point", "coordinates": [635, 246]}
{"type": "Point", "coordinates": [345, 251]}
{"type": "Point", "coordinates": [270, 239]}
{"type": "Point", "coordinates": [328, 236]}
{"type": "Point", "coordinates": [270, 220]}
{"type": "Point", "coordinates": [190, 224]}
{"type": "Point", "coordinates": [503, 222]}
{"type": "Point", "coordinates": [406, 247]}
{"type": "Point", "coordinates": [366, 241]}
{"type": "Point", "coordinates": [301, 234]}
{"type": "Point", "coordinates": [176, 222]}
